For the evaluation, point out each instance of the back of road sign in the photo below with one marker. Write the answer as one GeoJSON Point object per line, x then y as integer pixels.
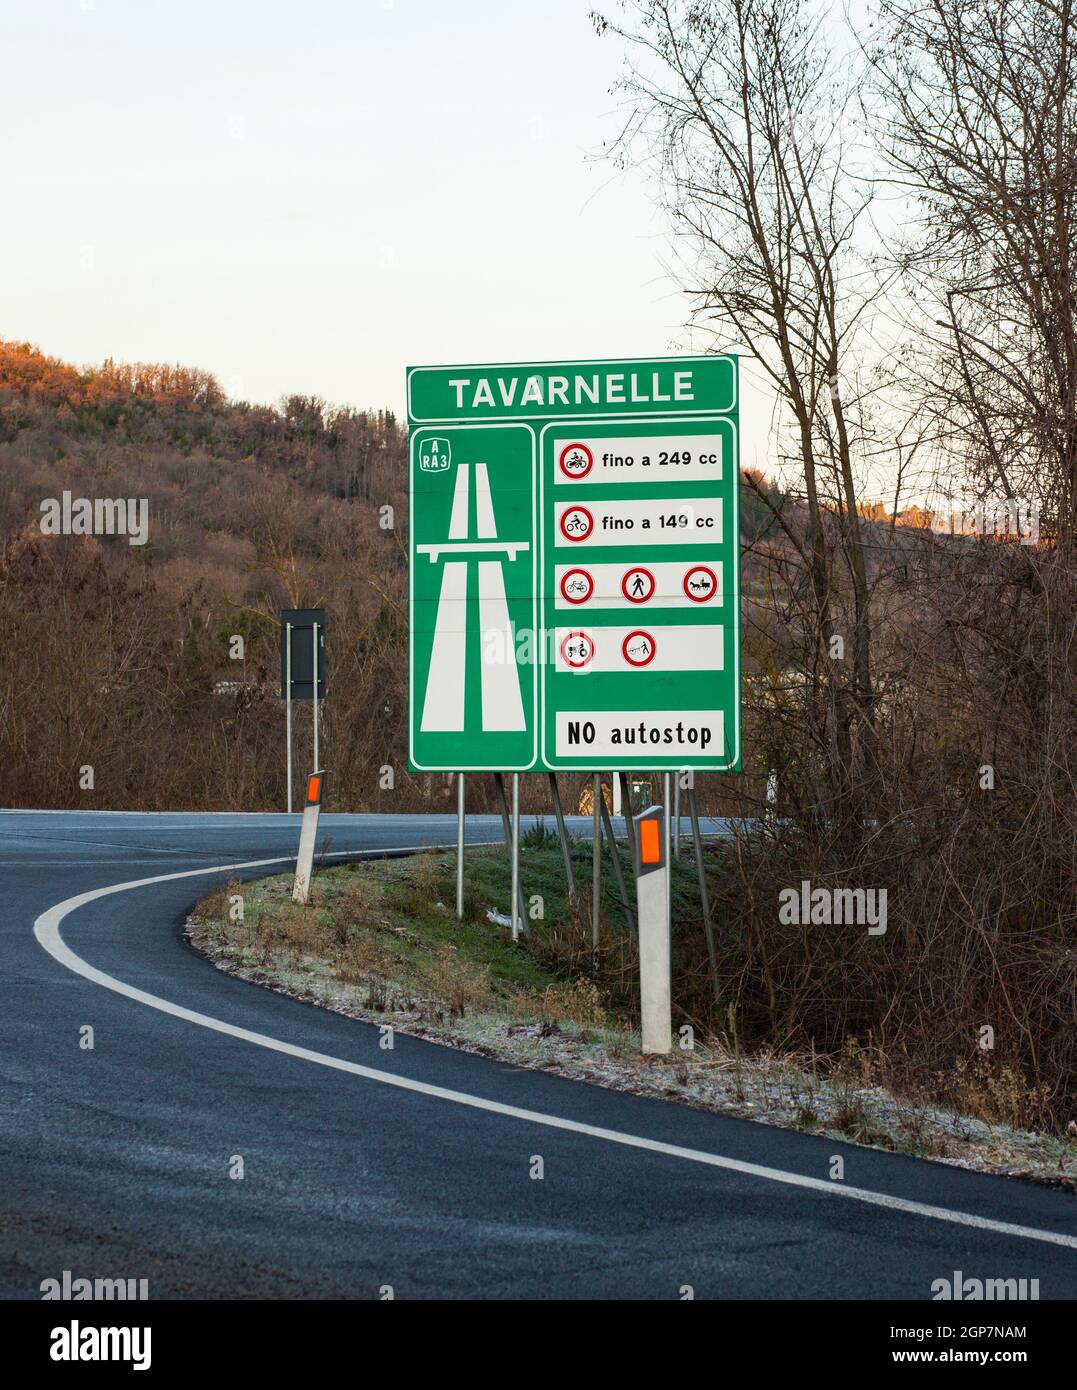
{"type": "Point", "coordinates": [302, 622]}
{"type": "Point", "coordinates": [574, 588]}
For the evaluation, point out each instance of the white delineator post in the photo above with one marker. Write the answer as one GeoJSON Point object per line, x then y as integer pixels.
{"type": "Point", "coordinates": [308, 833]}
{"type": "Point", "coordinates": [652, 898]}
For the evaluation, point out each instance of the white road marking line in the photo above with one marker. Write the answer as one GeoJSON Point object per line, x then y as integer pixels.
{"type": "Point", "coordinates": [47, 933]}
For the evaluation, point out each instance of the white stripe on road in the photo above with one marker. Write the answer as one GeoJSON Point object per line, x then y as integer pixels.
{"type": "Point", "coordinates": [47, 932]}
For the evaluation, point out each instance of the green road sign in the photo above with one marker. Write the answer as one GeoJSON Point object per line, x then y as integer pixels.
{"type": "Point", "coordinates": [574, 546]}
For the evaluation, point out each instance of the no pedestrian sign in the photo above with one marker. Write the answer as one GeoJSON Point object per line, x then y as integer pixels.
{"type": "Point", "coordinates": [574, 589]}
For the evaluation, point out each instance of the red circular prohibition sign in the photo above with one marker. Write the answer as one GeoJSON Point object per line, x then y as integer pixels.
{"type": "Point", "coordinates": [576, 535]}
{"type": "Point", "coordinates": [638, 598]}
{"type": "Point", "coordinates": [575, 660]}
{"type": "Point", "coordinates": [575, 461]}
{"type": "Point", "coordinates": [577, 597]}
{"type": "Point", "coordinates": [638, 660]}
{"type": "Point", "coordinates": [700, 569]}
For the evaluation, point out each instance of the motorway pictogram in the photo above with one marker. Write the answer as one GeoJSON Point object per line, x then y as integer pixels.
{"type": "Point", "coordinates": [501, 702]}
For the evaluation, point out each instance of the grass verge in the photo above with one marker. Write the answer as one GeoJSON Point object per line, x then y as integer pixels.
{"type": "Point", "coordinates": [380, 941]}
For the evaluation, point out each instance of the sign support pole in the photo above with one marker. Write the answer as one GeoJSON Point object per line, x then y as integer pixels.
{"type": "Point", "coordinates": [677, 815]}
{"type": "Point", "coordinates": [563, 833]}
{"type": "Point", "coordinates": [705, 897]}
{"type": "Point", "coordinates": [626, 806]}
{"type": "Point", "coordinates": [506, 819]}
{"type": "Point", "coordinates": [517, 923]}
{"type": "Point", "coordinates": [288, 704]}
{"type": "Point", "coordinates": [315, 631]}
{"type": "Point", "coordinates": [618, 872]}
{"type": "Point", "coordinates": [596, 859]}
{"type": "Point", "coordinates": [459, 846]}
{"type": "Point", "coordinates": [666, 802]}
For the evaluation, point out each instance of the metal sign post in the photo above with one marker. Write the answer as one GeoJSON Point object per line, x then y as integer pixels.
{"type": "Point", "coordinates": [615, 859]}
{"type": "Point", "coordinates": [626, 809]}
{"type": "Point", "coordinates": [315, 668]}
{"type": "Point", "coordinates": [677, 815]}
{"type": "Point", "coordinates": [517, 920]}
{"type": "Point", "coordinates": [652, 897]}
{"type": "Point", "coordinates": [288, 703]}
{"type": "Point", "coordinates": [704, 895]}
{"type": "Point", "coordinates": [596, 859]}
{"type": "Point", "coordinates": [308, 834]}
{"type": "Point", "coordinates": [506, 823]}
{"type": "Point", "coordinates": [302, 671]}
{"type": "Point", "coordinates": [562, 832]}
{"type": "Point", "coordinates": [667, 802]}
{"type": "Point", "coordinates": [460, 846]}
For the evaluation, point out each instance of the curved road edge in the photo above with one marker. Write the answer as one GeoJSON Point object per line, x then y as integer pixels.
{"type": "Point", "coordinates": [47, 931]}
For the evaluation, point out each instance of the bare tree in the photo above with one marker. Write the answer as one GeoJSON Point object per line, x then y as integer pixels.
{"type": "Point", "coordinates": [977, 106]}
{"type": "Point", "coordinates": [748, 118]}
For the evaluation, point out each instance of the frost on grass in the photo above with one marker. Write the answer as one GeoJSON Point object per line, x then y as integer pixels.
{"type": "Point", "coordinates": [378, 943]}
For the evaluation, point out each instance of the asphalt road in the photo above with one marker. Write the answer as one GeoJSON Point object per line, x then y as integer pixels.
{"type": "Point", "coordinates": [412, 1167]}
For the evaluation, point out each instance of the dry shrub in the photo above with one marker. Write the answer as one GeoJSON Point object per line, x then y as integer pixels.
{"type": "Point", "coordinates": [421, 886]}
{"type": "Point", "coordinates": [354, 908]}
{"type": "Point", "coordinates": [996, 1094]}
{"type": "Point", "coordinates": [357, 901]}
{"type": "Point", "coordinates": [577, 1001]}
{"type": "Point", "coordinates": [214, 906]}
{"type": "Point", "coordinates": [475, 904]}
{"type": "Point", "coordinates": [969, 822]}
{"type": "Point", "coordinates": [299, 929]}
{"type": "Point", "coordinates": [460, 984]}
{"type": "Point", "coordinates": [425, 873]}
{"type": "Point", "coordinates": [362, 958]}
{"type": "Point", "coordinates": [265, 936]}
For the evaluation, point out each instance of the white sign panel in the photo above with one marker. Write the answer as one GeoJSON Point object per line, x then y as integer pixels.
{"type": "Point", "coordinates": [648, 521]}
{"type": "Point", "coordinates": [648, 647]}
{"type": "Point", "coordinates": [647, 459]}
{"type": "Point", "coordinates": [627, 737]}
{"type": "Point", "coordinates": [660, 584]}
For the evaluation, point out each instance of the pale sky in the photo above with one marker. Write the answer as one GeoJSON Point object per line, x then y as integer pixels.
{"type": "Point", "coordinates": [311, 196]}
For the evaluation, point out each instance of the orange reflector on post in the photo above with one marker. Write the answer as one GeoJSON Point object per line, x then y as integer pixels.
{"type": "Point", "coordinates": [314, 788]}
{"type": "Point", "coordinates": [650, 843]}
